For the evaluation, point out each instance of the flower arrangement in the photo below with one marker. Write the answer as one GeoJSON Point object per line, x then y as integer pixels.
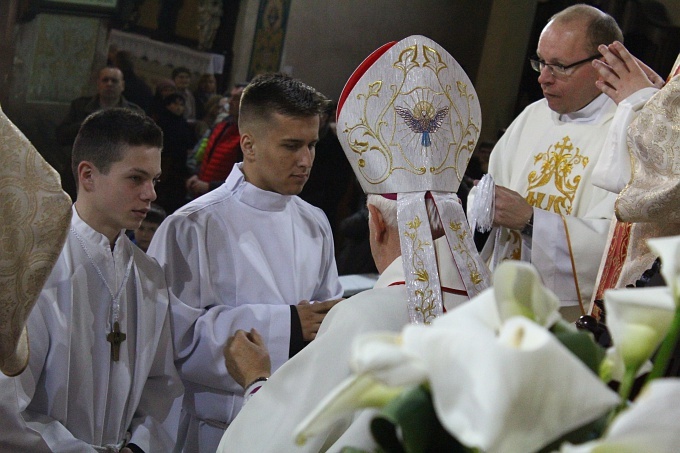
{"type": "Point", "coordinates": [505, 373]}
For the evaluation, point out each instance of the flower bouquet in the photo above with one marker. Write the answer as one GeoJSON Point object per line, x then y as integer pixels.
{"type": "Point", "coordinates": [505, 373]}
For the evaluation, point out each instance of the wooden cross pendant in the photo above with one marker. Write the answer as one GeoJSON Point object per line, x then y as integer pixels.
{"type": "Point", "coordinates": [115, 337]}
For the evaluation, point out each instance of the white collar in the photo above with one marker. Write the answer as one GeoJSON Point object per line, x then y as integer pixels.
{"type": "Point", "coordinates": [253, 196]}
{"type": "Point", "coordinates": [591, 113]}
{"type": "Point", "coordinates": [92, 236]}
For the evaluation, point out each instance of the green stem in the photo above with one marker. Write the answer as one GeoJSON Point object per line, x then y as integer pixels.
{"type": "Point", "coordinates": [624, 391]}
{"type": "Point", "coordinates": [626, 386]}
{"type": "Point", "coordinates": [666, 349]}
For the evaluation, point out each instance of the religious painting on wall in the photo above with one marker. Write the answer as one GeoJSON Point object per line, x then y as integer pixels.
{"type": "Point", "coordinates": [62, 57]}
{"type": "Point", "coordinates": [270, 32]}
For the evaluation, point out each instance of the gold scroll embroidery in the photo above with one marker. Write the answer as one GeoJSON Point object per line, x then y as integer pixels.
{"type": "Point", "coordinates": [374, 133]}
{"type": "Point", "coordinates": [461, 234]}
{"type": "Point", "coordinates": [425, 300]}
{"type": "Point", "coordinates": [557, 165]}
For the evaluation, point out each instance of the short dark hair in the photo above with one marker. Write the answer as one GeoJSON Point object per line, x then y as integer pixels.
{"type": "Point", "coordinates": [180, 70]}
{"type": "Point", "coordinates": [105, 134]}
{"type": "Point", "coordinates": [280, 93]}
{"type": "Point", "coordinates": [601, 28]}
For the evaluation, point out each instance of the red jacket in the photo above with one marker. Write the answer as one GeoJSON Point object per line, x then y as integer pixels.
{"type": "Point", "coordinates": [221, 153]}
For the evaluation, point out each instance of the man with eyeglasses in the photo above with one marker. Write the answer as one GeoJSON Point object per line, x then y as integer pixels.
{"type": "Point", "coordinates": [110, 87]}
{"type": "Point", "coordinates": [546, 209]}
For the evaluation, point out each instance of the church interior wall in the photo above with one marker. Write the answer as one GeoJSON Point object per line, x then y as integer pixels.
{"type": "Point", "coordinates": [324, 42]}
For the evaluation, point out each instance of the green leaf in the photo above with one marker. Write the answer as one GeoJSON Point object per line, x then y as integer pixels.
{"type": "Point", "coordinates": [409, 424]}
{"type": "Point", "coordinates": [582, 345]}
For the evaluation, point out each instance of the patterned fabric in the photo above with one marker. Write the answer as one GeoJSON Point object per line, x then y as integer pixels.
{"type": "Point", "coordinates": [35, 216]}
{"type": "Point", "coordinates": [653, 193]}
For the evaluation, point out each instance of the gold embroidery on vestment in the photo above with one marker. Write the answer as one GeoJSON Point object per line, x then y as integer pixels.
{"type": "Point", "coordinates": [557, 165]}
{"type": "Point", "coordinates": [461, 234]}
{"type": "Point", "coordinates": [425, 297]}
{"type": "Point", "coordinates": [374, 134]}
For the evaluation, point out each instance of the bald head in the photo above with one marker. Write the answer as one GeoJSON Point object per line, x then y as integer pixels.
{"type": "Point", "coordinates": [599, 27]}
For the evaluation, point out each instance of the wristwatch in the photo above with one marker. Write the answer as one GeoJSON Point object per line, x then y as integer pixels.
{"type": "Point", "coordinates": [528, 229]}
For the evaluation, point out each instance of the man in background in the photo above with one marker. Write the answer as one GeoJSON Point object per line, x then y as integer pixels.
{"type": "Point", "coordinates": [110, 87]}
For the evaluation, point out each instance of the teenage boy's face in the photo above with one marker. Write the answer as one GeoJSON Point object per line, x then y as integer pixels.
{"type": "Point", "coordinates": [124, 195]}
{"type": "Point", "coordinates": [280, 154]}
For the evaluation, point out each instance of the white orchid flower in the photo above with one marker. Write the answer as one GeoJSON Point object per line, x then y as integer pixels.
{"type": "Point", "coordinates": [638, 320]}
{"type": "Point", "coordinates": [517, 391]}
{"type": "Point", "coordinates": [520, 292]}
{"type": "Point", "coordinates": [649, 425]}
{"type": "Point", "coordinates": [668, 249]}
{"type": "Point", "coordinates": [354, 393]}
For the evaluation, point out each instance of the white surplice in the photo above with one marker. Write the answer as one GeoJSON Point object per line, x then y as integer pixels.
{"type": "Point", "coordinates": [237, 258]}
{"type": "Point", "coordinates": [549, 160]}
{"type": "Point", "coordinates": [267, 422]}
{"type": "Point", "coordinates": [73, 396]}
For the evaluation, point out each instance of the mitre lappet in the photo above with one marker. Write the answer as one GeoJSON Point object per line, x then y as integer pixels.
{"type": "Point", "coordinates": [408, 121]}
{"type": "Point", "coordinates": [35, 217]}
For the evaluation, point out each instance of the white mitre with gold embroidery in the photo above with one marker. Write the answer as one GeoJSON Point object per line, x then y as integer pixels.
{"type": "Point", "coordinates": [408, 120]}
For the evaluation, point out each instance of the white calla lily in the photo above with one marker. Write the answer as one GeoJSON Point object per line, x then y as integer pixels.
{"type": "Point", "coordinates": [381, 355]}
{"type": "Point", "coordinates": [519, 292]}
{"type": "Point", "coordinates": [354, 393]}
{"type": "Point", "coordinates": [668, 249]}
{"type": "Point", "coordinates": [517, 391]}
{"type": "Point", "coordinates": [612, 367]}
{"type": "Point", "coordinates": [381, 358]}
{"type": "Point", "coordinates": [638, 320]}
{"type": "Point", "coordinates": [650, 424]}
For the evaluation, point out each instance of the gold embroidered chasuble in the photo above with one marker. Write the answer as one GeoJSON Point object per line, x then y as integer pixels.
{"type": "Point", "coordinates": [652, 196]}
{"type": "Point", "coordinates": [550, 163]}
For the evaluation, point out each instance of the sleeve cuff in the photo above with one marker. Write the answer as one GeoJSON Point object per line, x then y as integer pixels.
{"type": "Point", "coordinates": [135, 448]}
{"type": "Point", "coordinates": [297, 342]}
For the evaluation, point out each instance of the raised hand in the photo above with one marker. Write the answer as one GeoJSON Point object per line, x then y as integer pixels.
{"type": "Point", "coordinates": [621, 74]}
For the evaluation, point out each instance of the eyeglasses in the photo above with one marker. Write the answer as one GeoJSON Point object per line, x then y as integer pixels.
{"type": "Point", "coordinates": [558, 70]}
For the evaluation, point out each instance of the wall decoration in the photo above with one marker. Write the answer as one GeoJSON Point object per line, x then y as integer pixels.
{"type": "Point", "coordinates": [62, 61]}
{"type": "Point", "coordinates": [270, 33]}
